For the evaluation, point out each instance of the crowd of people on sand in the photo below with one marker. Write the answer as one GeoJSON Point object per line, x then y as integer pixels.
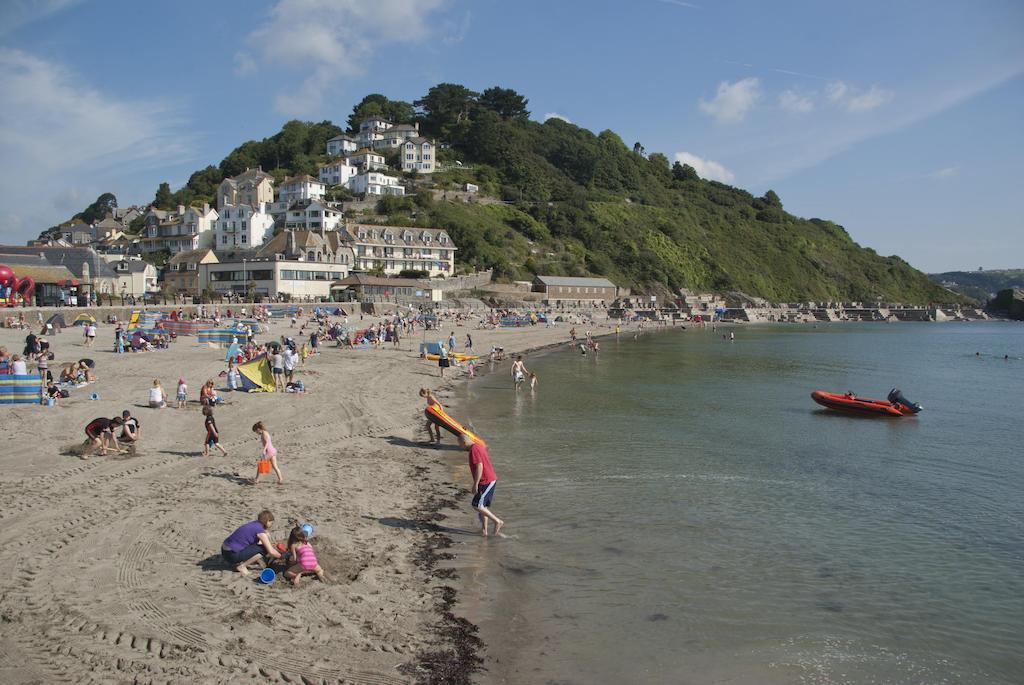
{"type": "Point", "coordinates": [251, 543]}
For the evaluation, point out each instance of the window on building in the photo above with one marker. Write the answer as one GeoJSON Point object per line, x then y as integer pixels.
{"type": "Point", "coordinates": [191, 266]}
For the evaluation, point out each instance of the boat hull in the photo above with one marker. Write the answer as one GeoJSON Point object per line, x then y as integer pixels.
{"type": "Point", "coordinates": [865, 406]}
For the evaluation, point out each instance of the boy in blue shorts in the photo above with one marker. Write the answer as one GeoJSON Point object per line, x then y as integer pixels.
{"type": "Point", "coordinates": [484, 482]}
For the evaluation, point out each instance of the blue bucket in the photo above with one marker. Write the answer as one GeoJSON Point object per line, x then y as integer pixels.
{"type": "Point", "coordinates": [307, 528]}
{"type": "Point", "coordinates": [267, 576]}
{"type": "Point", "coordinates": [94, 396]}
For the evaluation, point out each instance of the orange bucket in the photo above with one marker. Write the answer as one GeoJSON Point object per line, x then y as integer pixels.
{"type": "Point", "coordinates": [263, 466]}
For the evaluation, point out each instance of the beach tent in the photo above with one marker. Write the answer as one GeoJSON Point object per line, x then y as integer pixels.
{"type": "Point", "coordinates": [83, 319]}
{"type": "Point", "coordinates": [233, 351]}
{"type": "Point", "coordinates": [27, 389]}
{"type": "Point", "coordinates": [57, 322]}
{"type": "Point", "coordinates": [256, 375]}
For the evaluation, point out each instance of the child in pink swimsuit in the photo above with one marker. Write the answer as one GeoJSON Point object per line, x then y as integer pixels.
{"type": "Point", "coordinates": [268, 451]}
{"type": "Point", "coordinates": [303, 557]}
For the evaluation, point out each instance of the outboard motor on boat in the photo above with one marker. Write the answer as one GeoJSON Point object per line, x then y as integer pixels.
{"type": "Point", "coordinates": [896, 397]}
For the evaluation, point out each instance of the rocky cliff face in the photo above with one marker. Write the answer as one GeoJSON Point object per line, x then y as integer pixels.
{"type": "Point", "coordinates": [1009, 303]}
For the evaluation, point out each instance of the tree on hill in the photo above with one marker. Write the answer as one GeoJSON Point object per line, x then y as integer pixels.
{"type": "Point", "coordinates": [684, 172]}
{"type": "Point", "coordinates": [445, 107]}
{"type": "Point", "coordinates": [105, 204]}
{"type": "Point", "coordinates": [164, 199]}
{"type": "Point", "coordinates": [375, 104]}
{"type": "Point", "coordinates": [506, 102]}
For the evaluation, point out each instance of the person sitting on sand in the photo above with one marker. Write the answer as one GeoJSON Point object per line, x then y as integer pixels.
{"type": "Point", "coordinates": [303, 558]}
{"type": "Point", "coordinates": [207, 395]}
{"type": "Point", "coordinates": [100, 432]}
{"type": "Point", "coordinates": [130, 432]}
{"type": "Point", "coordinates": [250, 543]}
{"type": "Point", "coordinates": [68, 373]}
{"type": "Point", "coordinates": [18, 366]}
{"type": "Point", "coordinates": [157, 395]}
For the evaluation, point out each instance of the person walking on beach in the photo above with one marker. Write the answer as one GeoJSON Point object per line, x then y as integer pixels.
{"type": "Point", "coordinates": [267, 451]}
{"type": "Point", "coordinates": [442, 359]}
{"type": "Point", "coordinates": [484, 482]}
{"type": "Point", "coordinates": [433, 430]}
{"type": "Point", "coordinates": [518, 371]}
{"type": "Point", "coordinates": [90, 334]}
{"type": "Point", "coordinates": [249, 543]}
{"type": "Point", "coordinates": [212, 434]}
{"type": "Point", "coordinates": [451, 341]}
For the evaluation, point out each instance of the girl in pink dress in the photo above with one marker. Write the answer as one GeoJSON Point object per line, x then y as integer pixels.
{"type": "Point", "coordinates": [268, 451]}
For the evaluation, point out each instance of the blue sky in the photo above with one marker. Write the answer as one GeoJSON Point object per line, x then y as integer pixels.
{"type": "Point", "coordinates": [900, 120]}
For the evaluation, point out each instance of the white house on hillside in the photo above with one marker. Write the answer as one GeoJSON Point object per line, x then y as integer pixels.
{"type": "Point", "coordinates": [373, 130]}
{"type": "Point", "coordinates": [398, 248]}
{"type": "Point", "coordinates": [251, 187]}
{"type": "Point", "coordinates": [375, 183]}
{"type": "Point", "coordinates": [188, 228]}
{"type": "Point", "coordinates": [396, 135]}
{"type": "Point", "coordinates": [337, 173]}
{"type": "Point", "coordinates": [303, 187]}
{"type": "Point", "coordinates": [243, 226]}
{"type": "Point", "coordinates": [367, 160]}
{"type": "Point", "coordinates": [312, 215]}
{"type": "Point", "coordinates": [341, 145]}
{"type": "Point", "coordinates": [420, 155]}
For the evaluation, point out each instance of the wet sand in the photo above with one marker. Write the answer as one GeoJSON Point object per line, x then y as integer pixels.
{"type": "Point", "coordinates": [114, 571]}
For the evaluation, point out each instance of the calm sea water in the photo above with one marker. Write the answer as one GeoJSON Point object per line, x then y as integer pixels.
{"type": "Point", "coordinates": [680, 511]}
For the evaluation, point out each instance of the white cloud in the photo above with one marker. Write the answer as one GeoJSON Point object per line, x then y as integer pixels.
{"type": "Point", "coordinates": [946, 172]}
{"type": "Point", "coordinates": [58, 136]}
{"type": "Point", "coordinates": [854, 99]}
{"type": "Point", "coordinates": [732, 101]}
{"type": "Point", "coordinates": [18, 13]}
{"type": "Point", "coordinates": [796, 102]}
{"type": "Point", "coordinates": [706, 168]}
{"type": "Point", "coordinates": [322, 42]}
{"type": "Point", "coordinates": [556, 115]}
{"type": "Point", "coordinates": [874, 97]}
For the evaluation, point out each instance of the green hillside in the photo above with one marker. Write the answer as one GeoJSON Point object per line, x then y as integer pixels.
{"type": "Point", "coordinates": [980, 285]}
{"type": "Point", "coordinates": [578, 203]}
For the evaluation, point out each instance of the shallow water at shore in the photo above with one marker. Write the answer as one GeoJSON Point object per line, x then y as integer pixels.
{"type": "Point", "coordinates": [680, 511]}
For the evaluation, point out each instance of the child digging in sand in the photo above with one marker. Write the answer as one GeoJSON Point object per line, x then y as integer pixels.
{"type": "Point", "coordinates": [301, 553]}
{"type": "Point", "coordinates": [268, 452]}
{"type": "Point", "coordinates": [212, 434]}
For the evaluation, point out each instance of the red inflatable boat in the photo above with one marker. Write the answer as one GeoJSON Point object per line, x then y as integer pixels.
{"type": "Point", "coordinates": [895, 405]}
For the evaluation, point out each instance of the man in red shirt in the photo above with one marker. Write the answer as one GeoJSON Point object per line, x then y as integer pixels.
{"type": "Point", "coordinates": [484, 482]}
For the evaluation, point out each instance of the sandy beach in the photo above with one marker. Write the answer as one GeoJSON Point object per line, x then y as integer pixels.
{"type": "Point", "coordinates": [114, 570]}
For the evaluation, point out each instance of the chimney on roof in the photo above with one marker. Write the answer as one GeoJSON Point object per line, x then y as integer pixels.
{"type": "Point", "coordinates": [181, 209]}
{"type": "Point", "coordinates": [291, 242]}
